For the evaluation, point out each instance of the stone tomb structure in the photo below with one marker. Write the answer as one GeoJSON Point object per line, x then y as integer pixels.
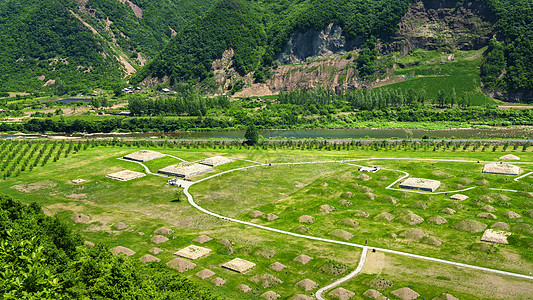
{"type": "Point", "coordinates": [216, 161]}
{"type": "Point", "coordinates": [193, 252]}
{"type": "Point", "coordinates": [125, 175]}
{"type": "Point", "coordinates": [420, 184]}
{"type": "Point", "coordinates": [185, 170]}
{"type": "Point", "coordinates": [144, 155]}
{"type": "Point", "coordinates": [239, 265]}
{"type": "Point", "coordinates": [501, 169]}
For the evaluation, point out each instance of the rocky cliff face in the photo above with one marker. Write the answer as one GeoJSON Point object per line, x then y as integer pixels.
{"type": "Point", "coordinates": [443, 25]}
{"type": "Point", "coordinates": [304, 46]}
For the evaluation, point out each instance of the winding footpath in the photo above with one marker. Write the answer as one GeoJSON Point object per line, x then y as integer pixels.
{"type": "Point", "coordinates": [346, 278]}
{"type": "Point", "coordinates": [191, 201]}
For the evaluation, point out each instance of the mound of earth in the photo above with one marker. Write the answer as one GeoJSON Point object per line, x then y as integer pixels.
{"type": "Point", "coordinates": [482, 182]}
{"type": "Point", "coordinates": [482, 247]}
{"type": "Point", "coordinates": [122, 250]}
{"type": "Point", "coordinates": [389, 200]}
{"type": "Point", "coordinates": [333, 268]}
{"type": "Point", "coordinates": [278, 267]}
{"type": "Point", "coordinates": [465, 181]}
{"type": "Point", "coordinates": [431, 241]}
{"type": "Point", "coordinates": [529, 213]}
{"type": "Point", "coordinates": [456, 206]}
{"type": "Point", "coordinates": [523, 228]}
{"type": "Point", "coordinates": [205, 273]}
{"type": "Point", "coordinates": [349, 222]}
{"type": "Point", "coordinates": [341, 234]}
{"type": "Point", "coordinates": [361, 214]}
{"type": "Point", "coordinates": [470, 226]}
{"type": "Point", "coordinates": [224, 242]}
{"type": "Point", "coordinates": [510, 157]}
{"type": "Point", "coordinates": [307, 285]}
{"type": "Point", "coordinates": [163, 230]}
{"type": "Point", "coordinates": [511, 215]}
{"type": "Point", "coordinates": [379, 283]}
{"type": "Point", "coordinates": [349, 195]}
{"type": "Point", "coordinates": [302, 229]}
{"type": "Point", "coordinates": [445, 296]}
{"type": "Point", "coordinates": [306, 219]}
{"type": "Point", "coordinates": [270, 295]}
{"type": "Point", "coordinates": [155, 251]}
{"type": "Point", "coordinates": [405, 293]}
{"type": "Point", "coordinates": [181, 265]}
{"type": "Point", "coordinates": [410, 218]}
{"type": "Point", "coordinates": [488, 208]}
{"type": "Point", "coordinates": [202, 239]}
{"type": "Point", "coordinates": [458, 197]}
{"type": "Point", "coordinates": [149, 258]}
{"type": "Point", "coordinates": [89, 244]}
{"type": "Point", "coordinates": [370, 195]}
{"type": "Point", "coordinates": [303, 259]}
{"type": "Point", "coordinates": [372, 294]}
{"type": "Point", "coordinates": [384, 216]}
{"type": "Point", "coordinates": [326, 208]}
{"type": "Point", "coordinates": [448, 211]}
{"type": "Point", "coordinates": [271, 217]}
{"type": "Point", "coordinates": [81, 218]}
{"type": "Point", "coordinates": [499, 197]}
{"type": "Point", "coordinates": [122, 226]}
{"type": "Point", "coordinates": [219, 281]}
{"type": "Point", "coordinates": [227, 250]}
{"type": "Point", "coordinates": [414, 234]}
{"type": "Point", "coordinates": [159, 239]}
{"type": "Point", "coordinates": [364, 177]}
{"type": "Point", "coordinates": [341, 294]}
{"type": "Point", "coordinates": [487, 216]}
{"type": "Point", "coordinates": [384, 178]}
{"type": "Point", "coordinates": [266, 280]}
{"type": "Point", "coordinates": [345, 203]}
{"type": "Point", "coordinates": [420, 205]}
{"type": "Point", "coordinates": [441, 174]}
{"type": "Point", "coordinates": [244, 288]}
{"type": "Point", "coordinates": [500, 226]}
{"type": "Point", "coordinates": [256, 214]}
{"type": "Point", "coordinates": [266, 253]}
{"type": "Point", "coordinates": [438, 220]}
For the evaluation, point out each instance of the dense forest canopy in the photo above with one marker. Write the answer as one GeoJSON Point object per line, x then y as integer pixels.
{"type": "Point", "coordinates": [43, 258]}
{"type": "Point", "coordinates": [44, 37]}
{"type": "Point", "coordinates": [258, 30]}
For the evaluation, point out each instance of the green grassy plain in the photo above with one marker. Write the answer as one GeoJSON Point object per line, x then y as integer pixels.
{"type": "Point", "coordinates": [147, 203]}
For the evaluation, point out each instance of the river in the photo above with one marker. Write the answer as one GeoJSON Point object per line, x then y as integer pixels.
{"type": "Point", "coordinates": [509, 133]}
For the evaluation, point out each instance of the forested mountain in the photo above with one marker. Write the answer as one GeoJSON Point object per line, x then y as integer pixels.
{"type": "Point", "coordinates": [71, 45]}
{"type": "Point", "coordinates": [257, 32]}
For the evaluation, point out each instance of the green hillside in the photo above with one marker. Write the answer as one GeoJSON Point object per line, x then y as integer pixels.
{"type": "Point", "coordinates": [258, 30]}
{"type": "Point", "coordinates": [47, 37]}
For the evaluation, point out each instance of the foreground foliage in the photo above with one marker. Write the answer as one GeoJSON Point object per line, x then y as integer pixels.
{"type": "Point", "coordinates": [42, 258]}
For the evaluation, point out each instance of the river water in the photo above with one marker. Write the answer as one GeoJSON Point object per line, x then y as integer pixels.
{"type": "Point", "coordinates": [358, 133]}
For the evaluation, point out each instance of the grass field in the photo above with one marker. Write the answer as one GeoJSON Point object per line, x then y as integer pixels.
{"type": "Point", "coordinates": [290, 191]}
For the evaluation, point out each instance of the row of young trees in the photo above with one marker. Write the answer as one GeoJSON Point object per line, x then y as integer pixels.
{"type": "Point", "coordinates": [372, 99]}
{"type": "Point", "coordinates": [17, 157]}
{"type": "Point", "coordinates": [187, 103]}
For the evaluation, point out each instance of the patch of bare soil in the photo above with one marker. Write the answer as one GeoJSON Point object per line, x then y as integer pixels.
{"type": "Point", "coordinates": [36, 186]}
